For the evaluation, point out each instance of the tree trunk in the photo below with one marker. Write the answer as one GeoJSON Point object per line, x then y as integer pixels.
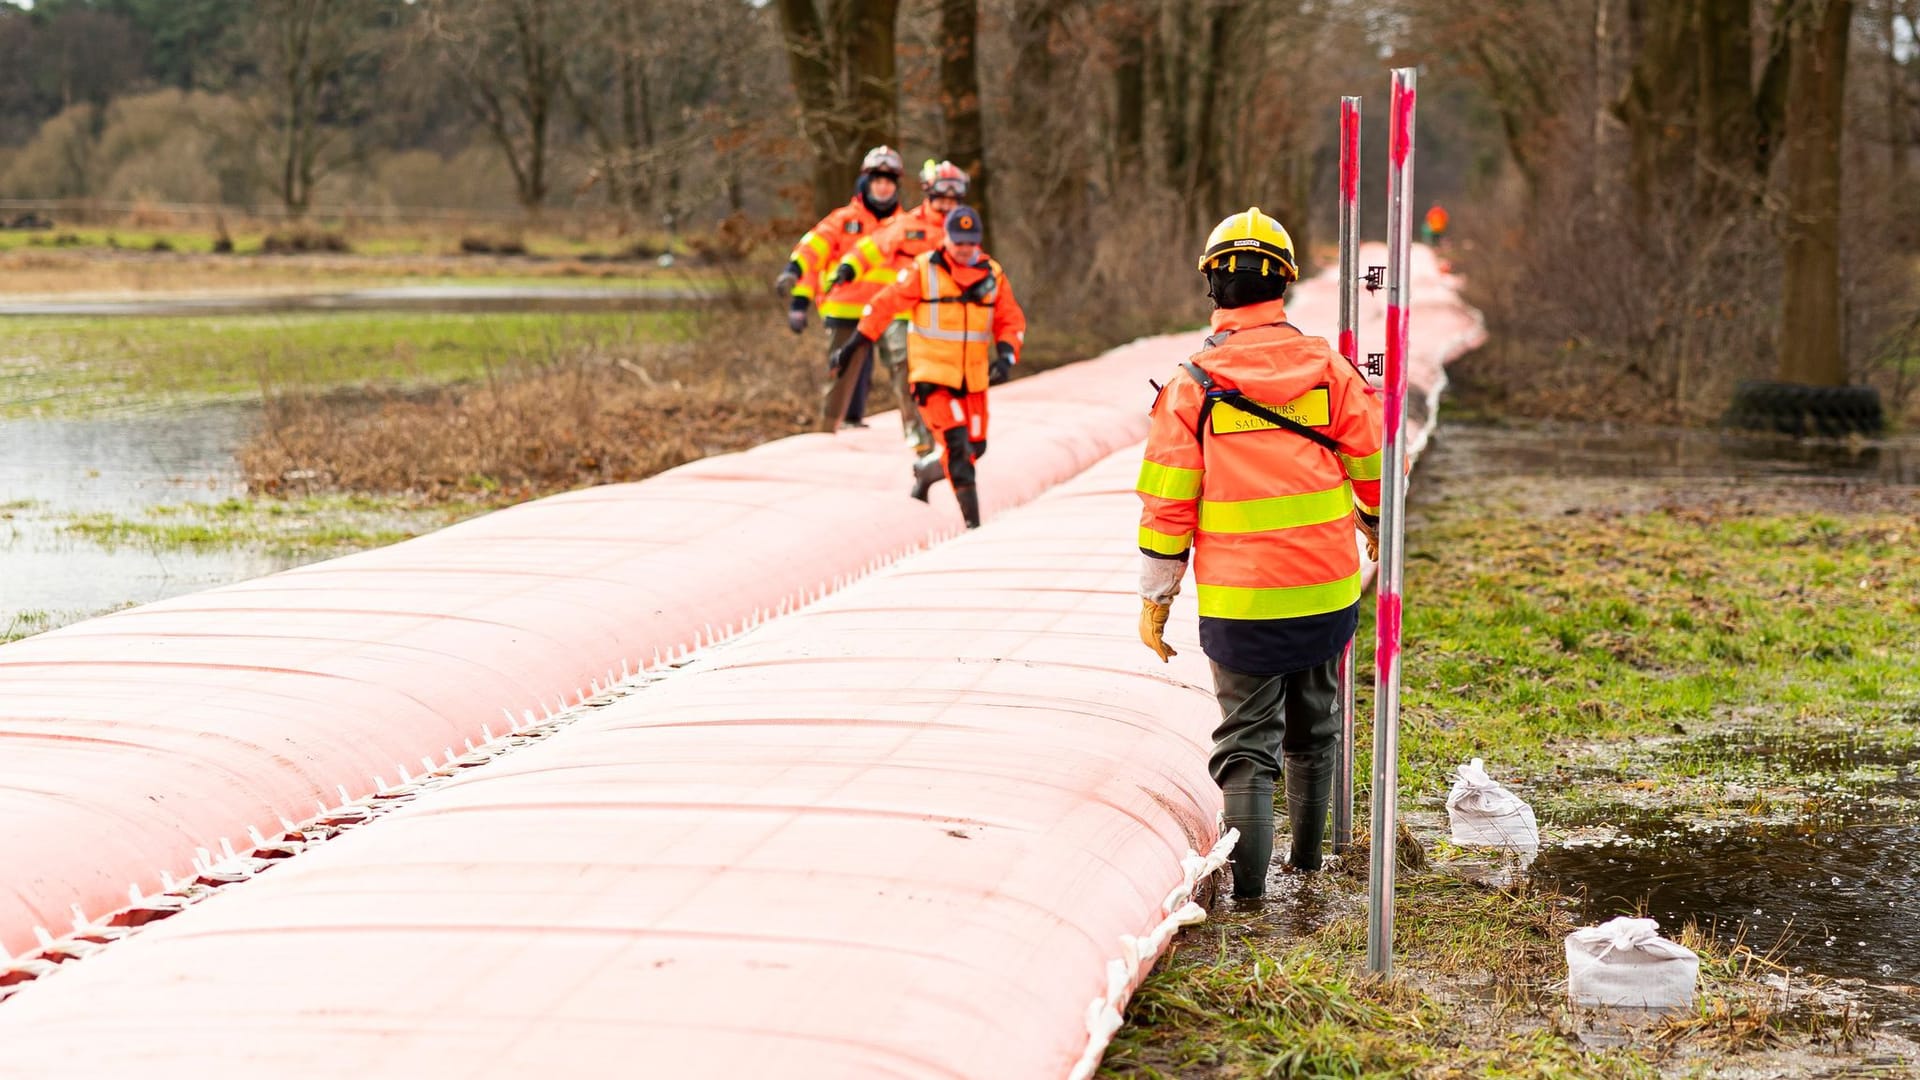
{"type": "Point", "coordinates": [296, 43]}
{"type": "Point", "coordinates": [811, 65]}
{"type": "Point", "coordinates": [1896, 101]}
{"type": "Point", "coordinates": [1129, 97]}
{"type": "Point", "coordinates": [1170, 87]}
{"type": "Point", "coordinates": [1810, 326]}
{"type": "Point", "coordinates": [960, 98]}
{"type": "Point", "coordinates": [1204, 180]}
{"type": "Point", "coordinates": [874, 86]}
{"type": "Point", "coordinates": [1724, 114]}
{"type": "Point", "coordinates": [1658, 106]}
{"type": "Point", "coordinates": [843, 72]}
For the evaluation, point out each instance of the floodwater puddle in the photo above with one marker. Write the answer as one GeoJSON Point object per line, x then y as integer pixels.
{"type": "Point", "coordinates": [51, 470]}
{"type": "Point", "coordinates": [469, 298]}
{"type": "Point", "coordinates": [1600, 451]}
{"type": "Point", "coordinates": [1805, 837]}
{"type": "Point", "coordinates": [1832, 885]}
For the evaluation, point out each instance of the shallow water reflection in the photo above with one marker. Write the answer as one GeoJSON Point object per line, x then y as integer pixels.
{"type": "Point", "coordinates": [1840, 898]}
{"type": "Point", "coordinates": [1461, 451]}
{"type": "Point", "coordinates": [53, 469]}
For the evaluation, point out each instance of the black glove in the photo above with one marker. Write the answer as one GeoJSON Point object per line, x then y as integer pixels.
{"type": "Point", "coordinates": [788, 278]}
{"type": "Point", "coordinates": [797, 313]}
{"type": "Point", "coordinates": [846, 354]}
{"type": "Point", "coordinates": [1000, 368]}
{"type": "Point", "coordinates": [842, 274]}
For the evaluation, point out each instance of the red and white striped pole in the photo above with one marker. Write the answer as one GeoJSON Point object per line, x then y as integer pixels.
{"type": "Point", "coordinates": [1393, 505]}
{"type": "Point", "coordinates": [1349, 348]}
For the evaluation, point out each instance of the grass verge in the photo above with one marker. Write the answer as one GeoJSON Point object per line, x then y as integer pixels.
{"type": "Point", "coordinates": [306, 527]}
{"type": "Point", "coordinates": [104, 366]}
{"type": "Point", "coordinates": [1581, 634]}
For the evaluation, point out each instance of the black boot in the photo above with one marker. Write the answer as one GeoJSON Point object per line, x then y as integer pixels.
{"type": "Point", "coordinates": [1309, 794]}
{"type": "Point", "coordinates": [1250, 809]}
{"type": "Point", "coordinates": [969, 499]}
{"type": "Point", "coordinates": [927, 472]}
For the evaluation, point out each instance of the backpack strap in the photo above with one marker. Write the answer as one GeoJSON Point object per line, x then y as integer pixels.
{"type": "Point", "coordinates": [1246, 405]}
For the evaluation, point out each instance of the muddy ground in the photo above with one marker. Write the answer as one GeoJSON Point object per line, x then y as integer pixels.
{"type": "Point", "coordinates": [1695, 656]}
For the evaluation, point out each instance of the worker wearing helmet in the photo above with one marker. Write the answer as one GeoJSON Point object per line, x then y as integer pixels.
{"type": "Point", "coordinates": [1261, 452]}
{"type": "Point", "coordinates": [808, 277]}
{"type": "Point", "coordinates": [964, 333]}
{"type": "Point", "coordinates": [881, 257]}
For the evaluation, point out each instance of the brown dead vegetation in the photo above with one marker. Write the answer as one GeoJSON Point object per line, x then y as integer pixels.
{"type": "Point", "coordinates": [582, 415]}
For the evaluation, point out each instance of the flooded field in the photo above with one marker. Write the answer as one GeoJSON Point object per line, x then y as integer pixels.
{"type": "Point", "coordinates": [52, 470]}
{"type": "Point", "coordinates": [1808, 844]}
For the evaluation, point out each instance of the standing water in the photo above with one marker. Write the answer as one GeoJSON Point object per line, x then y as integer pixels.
{"type": "Point", "coordinates": [1832, 891]}
{"type": "Point", "coordinates": [52, 470]}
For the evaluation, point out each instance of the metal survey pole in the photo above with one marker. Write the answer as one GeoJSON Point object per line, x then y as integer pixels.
{"type": "Point", "coordinates": [1349, 348]}
{"type": "Point", "coordinates": [1393, 505]}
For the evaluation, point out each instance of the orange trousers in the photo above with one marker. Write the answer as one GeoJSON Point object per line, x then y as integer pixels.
{"type": "Point", "coordinates": [958, 422]}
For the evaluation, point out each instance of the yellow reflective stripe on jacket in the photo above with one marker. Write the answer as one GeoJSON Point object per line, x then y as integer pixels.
{"type": "Point", "coordinates": [865, 256]}
{"type": "Point", "coordinates": [1291, 602]}
{"type": "Point", "coordinates": [1362, 468]}
{"type": "Point", "coordinates": [1168, 481]}
{"type": "Point", "coordinates": [1164, 543]}
{"type": "Point", "coordinates": [1279, 512]}
{"type": "Point", "coordinates": [812, 244]}
{"type": "Point", "coordinates": [842, 309]}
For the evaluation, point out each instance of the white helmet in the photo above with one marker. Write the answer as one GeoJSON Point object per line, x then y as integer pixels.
{"type": "Point", "coordinates": [883, 159]}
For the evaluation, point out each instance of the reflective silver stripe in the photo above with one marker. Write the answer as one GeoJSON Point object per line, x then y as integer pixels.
{"type": "Point", "coordinates": [935, 333]}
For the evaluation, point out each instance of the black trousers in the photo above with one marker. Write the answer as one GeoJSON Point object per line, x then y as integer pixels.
{"type": "Point", "coordinates": [1267, 717]}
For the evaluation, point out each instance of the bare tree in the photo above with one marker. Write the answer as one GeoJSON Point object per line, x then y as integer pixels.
{"type": "Point", "coordinates": [507, 58]}
{"type": "Point", "coordinates": [843, 69]}
{"type": "Point", "coordinates": [1811, 347]}
{"type": "Point", "coordinates": [960, 98]}
{"type": "Point", "coordinates": [320, 66]}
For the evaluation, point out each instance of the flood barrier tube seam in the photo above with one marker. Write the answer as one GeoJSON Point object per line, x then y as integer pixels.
{"type": "Point", "coordinates": [1059, 441]}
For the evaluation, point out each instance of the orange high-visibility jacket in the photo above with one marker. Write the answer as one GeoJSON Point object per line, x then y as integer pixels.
{"type": "Point", "coordinates": [950, 340]}
{"type": "Point", "coordinates": [880, 258]}
{"type": "Point", "coordinates": [819, 251]}
{"type": "Point", "coordinates": [1266, 512]}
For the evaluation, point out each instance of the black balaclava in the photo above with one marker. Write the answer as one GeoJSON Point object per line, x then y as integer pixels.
{"type": "Point", "coordinates": [879, 209]}
{"type": "Point", "coordinates": [1230, 289]}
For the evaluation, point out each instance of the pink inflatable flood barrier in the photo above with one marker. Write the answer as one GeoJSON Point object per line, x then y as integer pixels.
{"type": "Point", "coordinates": [138, 747]}
{"type": "Point", "coordinates": [900, 833]}
{"type": "Point", "coordinates": [940, 824]}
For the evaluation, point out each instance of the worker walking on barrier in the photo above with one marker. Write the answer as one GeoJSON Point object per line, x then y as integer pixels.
{"type": "Point", "coordinates": [881, 257]}
{"type": "Point", "coordinates": [1263, 452]}
{"type": "Point", "coordinates": [964, 333]}
{"type": "Point", "coordinates": [808, 278]}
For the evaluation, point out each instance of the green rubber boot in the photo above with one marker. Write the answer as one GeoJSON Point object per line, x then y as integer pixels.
{"type": "Point", "coordinates": [1309, 795]}
{"type": "Point", "coordinates": [1250, 809]}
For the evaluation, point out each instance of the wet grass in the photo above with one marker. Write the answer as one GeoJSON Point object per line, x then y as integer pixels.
{"type": "Point", "coordinates": [106, 366]}
{"type": "Point", "coordinates": [305, 528]}
{"type": "Point", "coordinates": [1611, 649]}
{"type": "Point", "coordinates": [1607, 625]}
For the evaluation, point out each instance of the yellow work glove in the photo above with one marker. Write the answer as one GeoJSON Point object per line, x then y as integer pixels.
{"type": "Point", "coordinates": [1153, 628]}
{"type": "Point", "coordinates": [1371, 527]}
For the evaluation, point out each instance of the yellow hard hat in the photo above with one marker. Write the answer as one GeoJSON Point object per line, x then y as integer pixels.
{"type": "Point", "coordinates": [1248, 241]}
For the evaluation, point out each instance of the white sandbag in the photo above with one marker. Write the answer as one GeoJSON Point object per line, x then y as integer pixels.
{"type": "Point", "coordinates": [1624, 962]}
{"type": "Point", "coordinates": [1484, 814]}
